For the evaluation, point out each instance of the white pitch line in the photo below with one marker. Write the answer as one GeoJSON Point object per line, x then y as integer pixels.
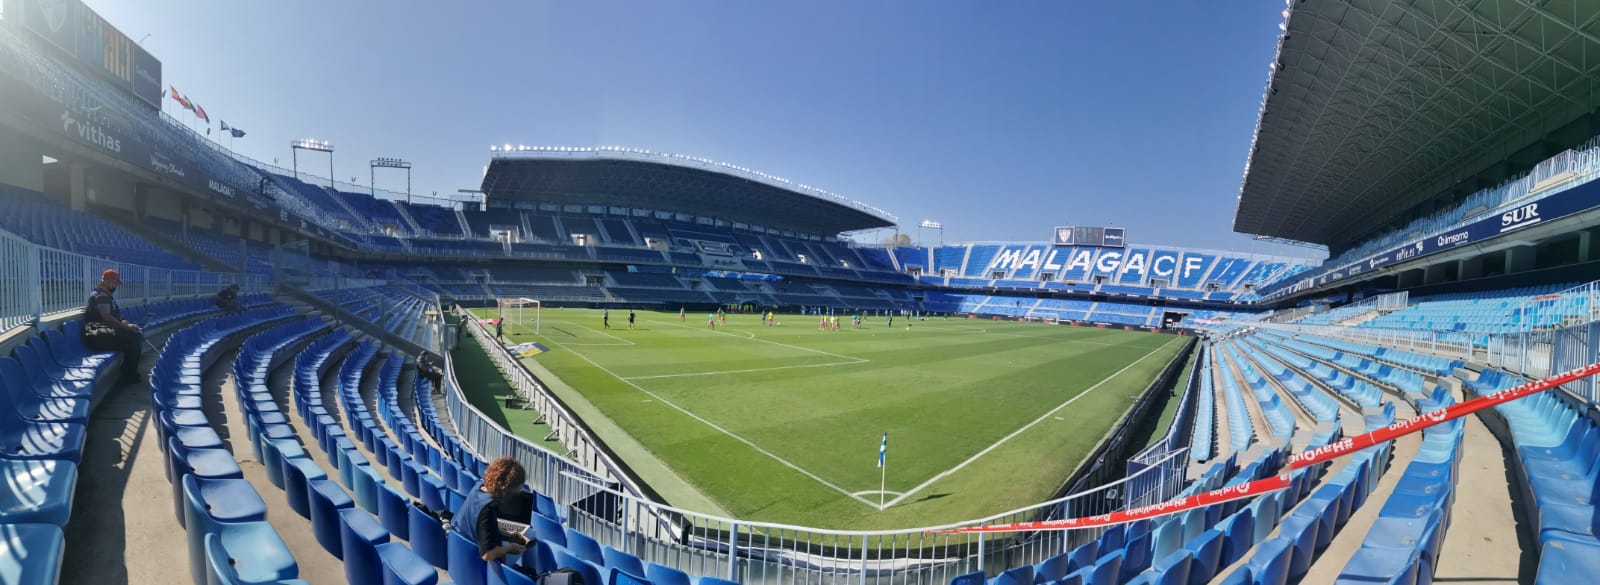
{"type": "Point", "coordinates": [1003, 440]}
{"type": "Point", "coordinates": [875, 492]}
{"type": "Point", "coordinates": [718, 428]}
{"type": "Point", "coordinates": [624, 341]}
{"type": "Point", "coordinates": [718, 373]}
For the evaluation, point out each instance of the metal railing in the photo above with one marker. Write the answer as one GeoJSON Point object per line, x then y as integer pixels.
{"type": "Point", "coordinates": [36, 281]}
{"type": "Point", "coordinates": [1563, 330]}
{"type": "Point", "coordinates": [1574, 306]}
{"type": "Point", "coordinates": [600, 503]}
{"type": "Point", "coordinates": [584, 455]}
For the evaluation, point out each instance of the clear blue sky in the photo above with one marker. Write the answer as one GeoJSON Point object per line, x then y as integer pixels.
{"type": "Point", "coordinates": [1000, 119]}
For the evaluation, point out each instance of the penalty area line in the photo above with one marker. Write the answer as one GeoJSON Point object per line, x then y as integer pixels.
{"type": "Point", "coordinates": [718, 428]}
{"type": "Point", "coordinates": [1013, 435]}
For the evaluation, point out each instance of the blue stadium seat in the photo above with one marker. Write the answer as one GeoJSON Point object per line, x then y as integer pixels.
{"type": "Point", "coordinates": [298, 473]}
{"type": "Point", "coordinates": [664, 575]}
{"type": "Point", "coordinates": [1053, 568]}
{"type": "Point", "coordinates": [359, 537]}
{"type": "Point", "coordinates": [591, 572]}
{"type": "Point", "coordinates": [616, 560]}
{"type": "Point", "coordinates": [209, 506]}
{"type": "Point", "coordinates": [37, 491]}
{"type": "Point", "coordinates": [249, 552]}
{"type": "Point", "coordinates": [1084, 556]}
{"type": "Point", "coordinates": [583, 547]}
{"type": "Point", "coordinates": [1173, 568]}
{"type": "Point", "coordinates": [392, 511]}
{"type": "Point", "coordinates": [327, 499]}
{"type": "Point", "coordinates": [1108, 569]}
{"type": "Point", "coordinates": [30, 553]}
{"type": "Point", "coordinates": [427, 537]}
{"type": "Point", "coordinates": [1240, 531]}
{"type": "Point", "coordinates": [366, 483]}
{"type": "Point", "coordinates": [1207, 551]}
{"type": "Point", "coordinates": [973, 578]}
{"type": "Point", "coordinates": [625, 578]}
{"type": "Point", "coordinates": [548, 530]}
{"type": "Point", "coordinates": [1018, 576]}
{"type": "Point", "coordinates": [499, 574]}
{"type": "Point", "coordinates": [402, 566]}
{"type": "Point", "coordinates": [1270, 563]}
{"type": "Point", "coordinates": [1302, 530]}
{"type": "Point", "coordinates": [1565, 560]}
{"type": "Point", "coordinates": [466, 566]}
{"type": "Point", "coordinates": [204, 464]}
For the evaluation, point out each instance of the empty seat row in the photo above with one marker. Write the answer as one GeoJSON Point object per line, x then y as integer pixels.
{"type": "Point", "coordinates": [1558, 459]}
{"type": "Point", "coordinates": [224, 517]}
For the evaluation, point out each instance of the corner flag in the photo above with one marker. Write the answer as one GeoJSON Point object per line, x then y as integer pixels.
{"type": "Point", "coordinates": [883, 450]}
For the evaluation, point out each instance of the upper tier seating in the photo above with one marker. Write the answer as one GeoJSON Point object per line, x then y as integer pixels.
{"type": "Point", "coordinates": [324, 203]}
{"type": "Point", "coordinates": [435, 220]}
{"type": "Point", "coordinates": [32, 216]}
{"type": "Point", "coordinates": [380, 214]}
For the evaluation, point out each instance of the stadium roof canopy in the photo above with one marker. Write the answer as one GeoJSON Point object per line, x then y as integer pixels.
{"type": "Point", "coordinates": [628, 177]}
{"type": "Point", "coordinates": [1374, 106]}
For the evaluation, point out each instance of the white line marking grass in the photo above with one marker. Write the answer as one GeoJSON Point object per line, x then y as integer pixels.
{"type": "Point", "coordinates": [597, 331]}
{"type": "Point", "coordinates": [718, 428]}
{"type": "Point", "coordinates": [846, 360]}
{"type": "Point", "coordinates": [1013, 435]}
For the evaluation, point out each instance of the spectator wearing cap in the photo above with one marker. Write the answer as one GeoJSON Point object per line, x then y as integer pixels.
{"type": "Point", "coordinates": [105, 330]}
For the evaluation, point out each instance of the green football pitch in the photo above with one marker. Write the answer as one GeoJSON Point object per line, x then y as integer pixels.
{"type": "Point", "coordinates": [783, 423]}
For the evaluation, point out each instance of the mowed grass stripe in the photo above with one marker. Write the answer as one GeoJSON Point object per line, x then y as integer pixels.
{"type": "Point", "coordinates": [939, 412]}
{"type": "Point", "coordinates": [944, 391]}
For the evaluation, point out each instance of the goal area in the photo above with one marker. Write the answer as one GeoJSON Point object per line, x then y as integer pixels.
{"type": "Point", "coordinates": [521, 312]}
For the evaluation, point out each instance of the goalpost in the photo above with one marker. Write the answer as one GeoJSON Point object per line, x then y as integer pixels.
{"type": "Point", "coordinates": [515, 311]}
{"type": "Point", "coordinates": [1043, 317]}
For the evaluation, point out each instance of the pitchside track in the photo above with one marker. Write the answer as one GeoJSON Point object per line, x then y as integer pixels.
{"type": "Point", "coordinates": [782, 424]}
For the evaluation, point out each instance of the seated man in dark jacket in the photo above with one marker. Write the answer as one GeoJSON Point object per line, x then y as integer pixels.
{"type": "Point", "coordinates": [228, 298]}
{"type": "Point", "coordinates": [428, 367]}
{"type": "Point", "coordinates": [104, 329]}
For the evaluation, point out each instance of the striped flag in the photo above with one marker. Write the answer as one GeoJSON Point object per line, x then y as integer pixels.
{"type": "Point", "coordinates": [883, 450]}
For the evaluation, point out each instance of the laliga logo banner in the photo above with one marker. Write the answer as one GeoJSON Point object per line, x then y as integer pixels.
{"type": "Point", "coordinates": [1307, 459]}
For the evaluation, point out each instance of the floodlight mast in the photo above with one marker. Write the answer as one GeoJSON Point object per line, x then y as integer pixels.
{"type": "Point", "coordinates": [932, 225]}
{"type": "Point", "coordinates": [314, 145]}
{"type": "Point", "coordinates": [388, 163]}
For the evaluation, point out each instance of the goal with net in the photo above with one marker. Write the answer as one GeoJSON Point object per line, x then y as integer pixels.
{"type": "Point", "coordinates": [1040, 317]}
{"type": "Point", "coordinates": [521, 312]}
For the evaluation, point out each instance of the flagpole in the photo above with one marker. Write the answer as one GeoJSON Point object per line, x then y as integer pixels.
{"type": "Point", "coordinates": [883, 477]}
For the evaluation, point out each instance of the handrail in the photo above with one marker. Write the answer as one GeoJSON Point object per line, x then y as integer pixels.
{"type": "Point", "coordinates": [36, 280]}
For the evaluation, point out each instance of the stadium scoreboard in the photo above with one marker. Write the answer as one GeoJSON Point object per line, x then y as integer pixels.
{"type": "Point", "coordinates": [1108, 237]}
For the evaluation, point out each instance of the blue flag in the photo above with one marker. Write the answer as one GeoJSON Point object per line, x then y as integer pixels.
{"type": "Point", "coordinates": [883, 450]}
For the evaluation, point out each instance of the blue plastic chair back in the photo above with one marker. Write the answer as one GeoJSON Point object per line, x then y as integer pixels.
{"type": "Point", "coordinates": [617, 560]}
{"type": "Point", "coordinates": [1019, 576]}
{"type": "Point", "coordinates": [427, 537]}
{"type": "Point", "coordinates": [466, 566]}
{"type": "Point", "coordinates": [662, 575]}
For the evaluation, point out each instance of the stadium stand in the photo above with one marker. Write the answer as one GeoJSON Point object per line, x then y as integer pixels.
{"type": "Point", "coordinates": [296, 443]}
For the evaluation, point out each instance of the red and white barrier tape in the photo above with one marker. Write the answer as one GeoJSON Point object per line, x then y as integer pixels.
{"type": "Point", "coordinates": [1316, 456]}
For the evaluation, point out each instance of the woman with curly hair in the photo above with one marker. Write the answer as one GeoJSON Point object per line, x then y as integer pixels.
{"type": "Point", "coordinates": [478, 517]}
